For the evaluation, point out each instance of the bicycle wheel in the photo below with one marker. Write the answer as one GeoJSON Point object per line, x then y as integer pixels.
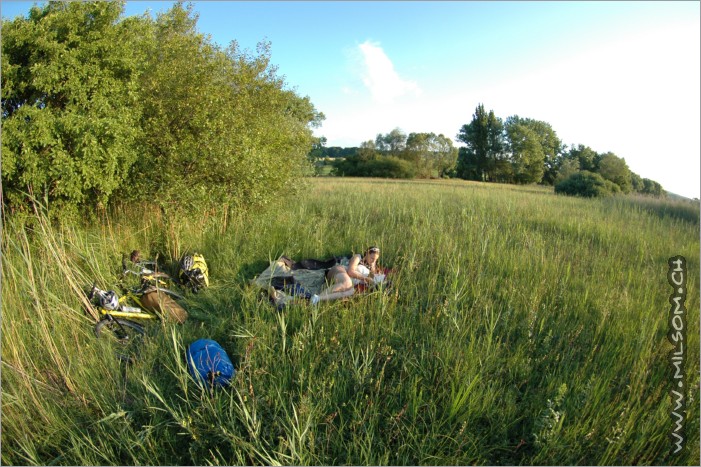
{"type": "Point", "coordinates": [127, 336]}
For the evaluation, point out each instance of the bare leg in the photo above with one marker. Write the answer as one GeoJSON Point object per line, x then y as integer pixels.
{"type": "Point", "coordinates": [326, 296]}
{"type": "Point", "coordinates": [341, 286]}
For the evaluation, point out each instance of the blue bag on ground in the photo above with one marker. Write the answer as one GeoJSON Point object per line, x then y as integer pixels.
{"type": "Point", "coordinates": [209, 364]}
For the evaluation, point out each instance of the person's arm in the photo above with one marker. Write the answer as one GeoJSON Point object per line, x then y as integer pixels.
{"type": "Point", "coordinates": [355, 260]}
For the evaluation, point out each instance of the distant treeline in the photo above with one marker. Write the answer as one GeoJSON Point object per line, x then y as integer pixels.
{"type": "Point", "coordinates": [322, 152]}
{"type": "Point", "coordinates": [517, 150]}
{"type": "Point", "coordinates": [96, 107]}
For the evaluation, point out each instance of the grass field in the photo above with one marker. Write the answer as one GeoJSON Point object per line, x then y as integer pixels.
{"type": "Point", "coordinates": [524, 328]}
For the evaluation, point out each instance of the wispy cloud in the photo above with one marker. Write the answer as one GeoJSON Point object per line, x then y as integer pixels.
{"type": "Point", "coordinates": [380, 77]}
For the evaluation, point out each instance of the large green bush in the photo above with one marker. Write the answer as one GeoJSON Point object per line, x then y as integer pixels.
{"type": "Point", "coordinates": [375, 166]}
{"type": "Point", "coordinates": [587, 184]}
{"type": "Point", "coordinates": [70, 105]}
{"type": "Point", "coordinates": [97, 107]}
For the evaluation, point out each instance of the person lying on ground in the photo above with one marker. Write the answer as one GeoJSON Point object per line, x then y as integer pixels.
{"type": "Point", "coordinates": [361, 270]}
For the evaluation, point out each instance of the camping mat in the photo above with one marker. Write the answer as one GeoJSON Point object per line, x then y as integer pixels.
{"type": "Point", "coordinates": [313, 281]}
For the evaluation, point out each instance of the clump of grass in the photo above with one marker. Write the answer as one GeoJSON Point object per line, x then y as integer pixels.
{"type": "Point", "coordinates": [523, 328]}
{"type": "Point", "coordinates": [666, 208]}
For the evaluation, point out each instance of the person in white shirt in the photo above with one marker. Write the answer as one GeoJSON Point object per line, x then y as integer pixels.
{"type": "Point", "coordinates": [362, 269]}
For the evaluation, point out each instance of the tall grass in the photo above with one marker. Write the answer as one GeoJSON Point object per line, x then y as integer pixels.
{"type": "Point", "coordinates": [523, 328]}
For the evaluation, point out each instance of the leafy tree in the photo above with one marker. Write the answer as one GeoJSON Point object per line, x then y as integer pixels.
{"type": "Point", "coordinates": [335, 151]}
{"type": "Point", "coordinates": [70, 105]}
{"type": "Point", "coordinates": [391, 144]}
{"type": "Point", "coordinates": [389, 167]}
{"type": "Point", "coordinates": [566, 169]}
{"type": "Point", "coordinates": [587, 184]}
{"type": "Point", "coordinates": [94, 108]}
{"type": "Point", "coordinates": [636, 182]}
{"type": "Point", "coordinates": [527, 154]}
{"type": "Point", "coordinates": [615, 169]}
{"type": "Point", "coordinates": [468, 166]}
{"type": "Point", "coordinates": [317, 155]}
{"type": "Point", "coordinates": [588, 158]}
{"type": "Point", "coordinates": [367, 151]}
{"type": "Point", "coordinates": [541, 139]}
{"type": "Point", "coordinates": [433, 155]}
{"type": "Point", "coordinates": [484, 140]}
{"type": "Point", "coordinates": [318, 148]}
{"type": "Point", "coordinates": [368, 163]}
{"type": "Point", "coordinates": [219, 125]}
{"type": "Point", "coordinates": [651, 187]}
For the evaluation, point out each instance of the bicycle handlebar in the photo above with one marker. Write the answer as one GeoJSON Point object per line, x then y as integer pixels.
{"type": "Point", "coordinates": [144, 270]}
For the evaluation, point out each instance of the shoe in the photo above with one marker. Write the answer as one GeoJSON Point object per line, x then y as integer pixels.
{"type": "Point", "coordinates": [314, 300]}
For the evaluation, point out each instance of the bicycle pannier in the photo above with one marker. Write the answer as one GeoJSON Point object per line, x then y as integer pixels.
{"type": "Point", "coordinates": [194, 272]}
{"type": "Point", "coordinates": [164, 305]}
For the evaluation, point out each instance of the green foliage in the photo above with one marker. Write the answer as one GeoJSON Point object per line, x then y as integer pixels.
{"type": "Point", "coordinates": [333, 152]}
{"type": "Point", "coordinates": [651, 187]}
{"type": "Point", "coordinates": [70, 105]}
{"type": "Point", "coordinates": [567, 167]}
{"type": "Point", "coordinates": [615, 169]}
{"type": "Point", "coordinates": [97, 108]}
{"type": "Point", "coordinates": [393, 156]}
{"type": "Point", "coordinates": [220, 126]}
{"type": "Point", "coordinates": [527, 154]}
{"type": "Point", "coordinates": [534, 148]}
{"type": "Point", "coordinates": [611, 167]}
{"type": "Point", "coordinates": [636, 182]}
{"type": "Point", "coordinates": [392, 144]}
{"type": "Point", "coordinates": [318, 149]}
{"type": "Point", "coordinates": [588, 158]}
{"type": "Point", "coordinates": [485, 147]}
{"type": "Point", "coordinates": [433, 155]}
{"type": "Point", "coordinates": [364, 165]}
{"type": "Point", "coordinates": [587, 184]}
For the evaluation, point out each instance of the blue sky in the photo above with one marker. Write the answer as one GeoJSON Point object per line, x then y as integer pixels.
{"type": "Point", "coordinates": [615, 76]}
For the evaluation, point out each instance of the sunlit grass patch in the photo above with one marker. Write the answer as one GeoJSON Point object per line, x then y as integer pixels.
{"type": "Point", "coordinates": [523, 328]}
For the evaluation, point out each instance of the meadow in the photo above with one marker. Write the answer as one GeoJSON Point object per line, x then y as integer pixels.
{"type": "Point", "coordinates": [522, 328]}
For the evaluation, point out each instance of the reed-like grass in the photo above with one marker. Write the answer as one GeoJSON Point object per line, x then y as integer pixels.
{"type": "Point", "coordinates": [522, 328]}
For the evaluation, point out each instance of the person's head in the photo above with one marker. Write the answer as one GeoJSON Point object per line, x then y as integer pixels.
{"type": "Point", "coordinates": [372, 254]}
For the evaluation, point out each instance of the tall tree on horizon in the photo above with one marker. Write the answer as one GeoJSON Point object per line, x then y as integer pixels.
{"type": "Point", "coordinates": [433, 155]}
{"type": "Point", "coordinates": [391, 144]}
{"type": "Point", "coordinates": [534, 150]}
{"type": "Point", "coordinates": [484, 140]}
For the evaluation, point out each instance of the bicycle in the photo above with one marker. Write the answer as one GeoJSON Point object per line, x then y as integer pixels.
{"type": "Point", "coordinates": [147, 271]}
{"type": "Point", "coordinates": [144, 303]}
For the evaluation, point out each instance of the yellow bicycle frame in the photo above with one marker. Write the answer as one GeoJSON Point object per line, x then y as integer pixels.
{"type": "Point", "coordinates": [143, 314]}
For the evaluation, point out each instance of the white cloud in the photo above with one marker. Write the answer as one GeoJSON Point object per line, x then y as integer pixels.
{"type": "Point", "coordinates": [636, 96]}
{"type": "Point", "coordinates": [380, 77]}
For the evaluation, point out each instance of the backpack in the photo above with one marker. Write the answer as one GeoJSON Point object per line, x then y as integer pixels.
{"type": "Point", "coordinates": [194, 272]}
{"type": "Point", "coordinates": [209, 363]}
{"type": "Point", "coordinates": [163, 305]}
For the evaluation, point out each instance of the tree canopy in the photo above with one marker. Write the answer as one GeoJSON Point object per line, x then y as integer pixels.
{"type": "Point", "coordinates": [484, 147]}
{"type": "Point", "coordinates": [96, 106]}
{"type": "Point", "coordinates": [70, 104]}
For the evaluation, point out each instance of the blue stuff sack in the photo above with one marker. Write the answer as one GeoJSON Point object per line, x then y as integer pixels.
{"type": "Point", "coordinates": [209, 364]}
